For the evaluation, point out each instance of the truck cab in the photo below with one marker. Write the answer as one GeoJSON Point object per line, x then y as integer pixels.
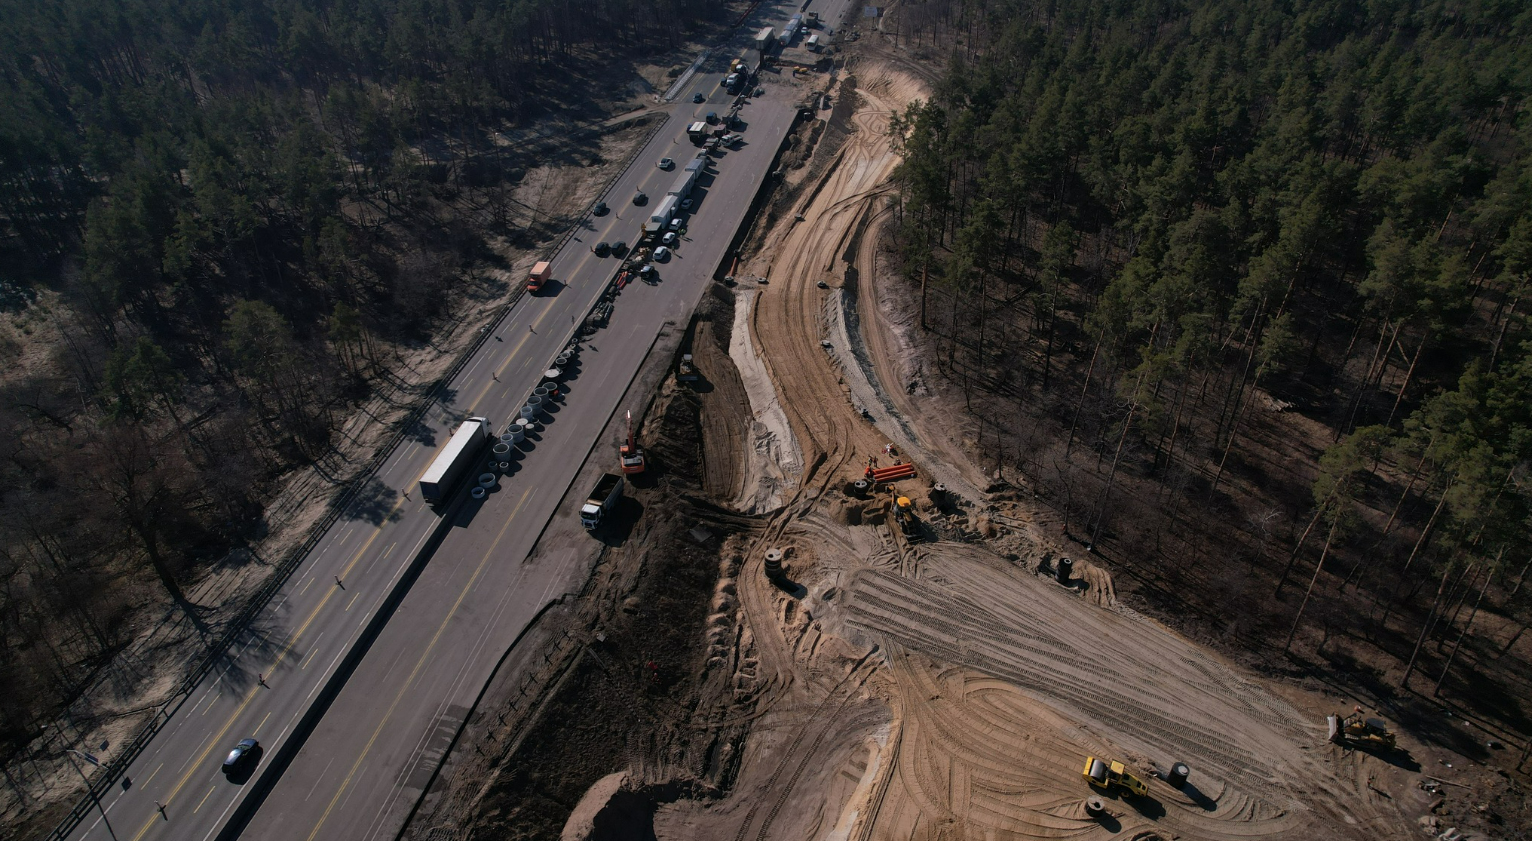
{"type": "Point", "coordinates": [601, 500]}
{"type": "Point", "coordinates": [539, 276]}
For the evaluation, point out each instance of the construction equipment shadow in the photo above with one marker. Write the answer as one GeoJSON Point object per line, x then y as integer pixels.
{"type": "Point", "coordinates": [617, 526]}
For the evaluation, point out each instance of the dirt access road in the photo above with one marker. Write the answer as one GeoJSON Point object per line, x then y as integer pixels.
{"type": "Point", "coordinates": [940, 690]}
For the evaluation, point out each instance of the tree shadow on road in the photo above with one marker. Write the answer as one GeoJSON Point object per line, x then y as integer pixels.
{"type": "Point", "coordinates": [373, 503]}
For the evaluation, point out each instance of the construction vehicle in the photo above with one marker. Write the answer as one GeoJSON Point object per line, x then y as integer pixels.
{"type": "Point", "coordinates": [540, 273]}
{"type": "Point", "coordinates": [630, 453]}
{"type": "Point", "coordinates": [904, 515]}
{"type": "Point", "coordinates": [1109, 775]}
{"type": "Point", "coordinates": [1357, 730]}
{"type": "Point", "coordinates": [686, 369]}
{"type": "Point", "coordinates": [601, 500]}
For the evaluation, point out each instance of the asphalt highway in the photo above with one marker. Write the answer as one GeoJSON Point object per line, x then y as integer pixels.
{"type": "Point", "coordinates": [393, 705]}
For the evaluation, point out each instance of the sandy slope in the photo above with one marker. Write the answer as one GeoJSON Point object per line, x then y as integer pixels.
{"type": "Point", "coordinates": [938, 690]}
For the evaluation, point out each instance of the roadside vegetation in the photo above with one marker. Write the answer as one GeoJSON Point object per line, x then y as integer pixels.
{"type": "Point", "coordinates": [1239, 290]}
{"type": "Point", "coordinates": [221, 227]}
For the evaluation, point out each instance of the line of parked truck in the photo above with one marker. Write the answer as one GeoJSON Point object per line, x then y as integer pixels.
{"type": "Point", "coordinates": [467, 446]}
{"type": "Point", "coordinates": [669, 207]}
{"type": "Point", "coordinates": [475, 434]}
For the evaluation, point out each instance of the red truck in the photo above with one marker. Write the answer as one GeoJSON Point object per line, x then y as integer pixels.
{"type": "Point", "coordinates": [539, 275]}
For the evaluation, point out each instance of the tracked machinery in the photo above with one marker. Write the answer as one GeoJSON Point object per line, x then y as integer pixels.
{"type": "Point", "coordinates": [1359, 731]}
{"type": "Point", "coordinates": [686, 369]}
{"type": "Point", "coordinates": [630, 453]}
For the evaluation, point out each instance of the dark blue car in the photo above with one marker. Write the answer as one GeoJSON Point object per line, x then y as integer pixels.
{"type": "Point", "coordinates": [240, 756]}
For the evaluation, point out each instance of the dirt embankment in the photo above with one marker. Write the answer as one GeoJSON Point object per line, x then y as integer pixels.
{"type": "Point", "coordinates": [725, 405]}
{"type": "Point", "coordinates": [655, 677]}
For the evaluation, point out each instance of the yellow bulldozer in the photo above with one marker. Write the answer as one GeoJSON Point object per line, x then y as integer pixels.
{"type": "Point", "coordinates": [1357, 730]}
{"type": "Point", "coordinates": [904, 515]}
{"type": "Point", "coordinates": [1107, 775]}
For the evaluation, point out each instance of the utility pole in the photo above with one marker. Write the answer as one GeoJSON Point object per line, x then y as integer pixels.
{"type": "Point", "coordinates": [96, 762]}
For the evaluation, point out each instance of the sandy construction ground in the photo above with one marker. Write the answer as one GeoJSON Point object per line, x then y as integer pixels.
{"type": "Point", "coordinates": [939, 689]}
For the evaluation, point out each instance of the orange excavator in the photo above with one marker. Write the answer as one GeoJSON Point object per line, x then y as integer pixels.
{"type": "Point", "coordinates": [631, 453]}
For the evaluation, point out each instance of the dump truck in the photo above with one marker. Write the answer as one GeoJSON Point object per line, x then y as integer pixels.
{"type": "Point", "coordinates": [541, 270]}
{"type": "Point", "coordinates": [1109, 775]}
{"type": "Point", "coordinates": [450, 464]}
{"type": "Point", "coordinates": [601, 500]}
{"type": "Point", "coordinates": [1357, 730]}
{"type": "Point", "coordinates": [630, 453]}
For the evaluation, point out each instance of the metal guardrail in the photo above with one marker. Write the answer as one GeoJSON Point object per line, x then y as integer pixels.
{"type": "Point", "coordinates": [111, 771]}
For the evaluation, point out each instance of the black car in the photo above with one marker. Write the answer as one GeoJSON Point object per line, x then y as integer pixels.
{"type": "Point", "coordinates": [712, 117]}
{"type": "Point", "coordinates": [640, 198]}
{"type": "Point", "coordinates": [602, 249]}
{"type": "Point", "coordinates": [619, 248]}
{"type": "Point", "coordinates": [698, 98]}
{"type": "Point", "coordinates": [599, 209]}
{"type": "Point", "coordinates": [240, 756]}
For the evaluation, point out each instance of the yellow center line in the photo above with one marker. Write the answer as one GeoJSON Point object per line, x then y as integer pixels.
{"type": "Point", "coordinates": [204, 799]}
{"type": "Point", "coordinates": [308, 659]}
{"type": "Point", "coordinates": [492, 382]}
{"type": "Point", "coordinates": [424, 656]}
{"type": "Point", "coordinates": [353, 600]}
{"type": "Point", "coordinates": [193, 766]}
{"type": "Point", "coordinates": [155, 771]}
{"type": "Point", "coordinates": [259, 726]}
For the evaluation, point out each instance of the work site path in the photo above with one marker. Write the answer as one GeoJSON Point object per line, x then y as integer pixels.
{"type": "Point", "coordinates": [999, 682]}
{"type": "Point", "coordinates": [975, 643]}
{"type": "Point", "coordinates": [787, 321]}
